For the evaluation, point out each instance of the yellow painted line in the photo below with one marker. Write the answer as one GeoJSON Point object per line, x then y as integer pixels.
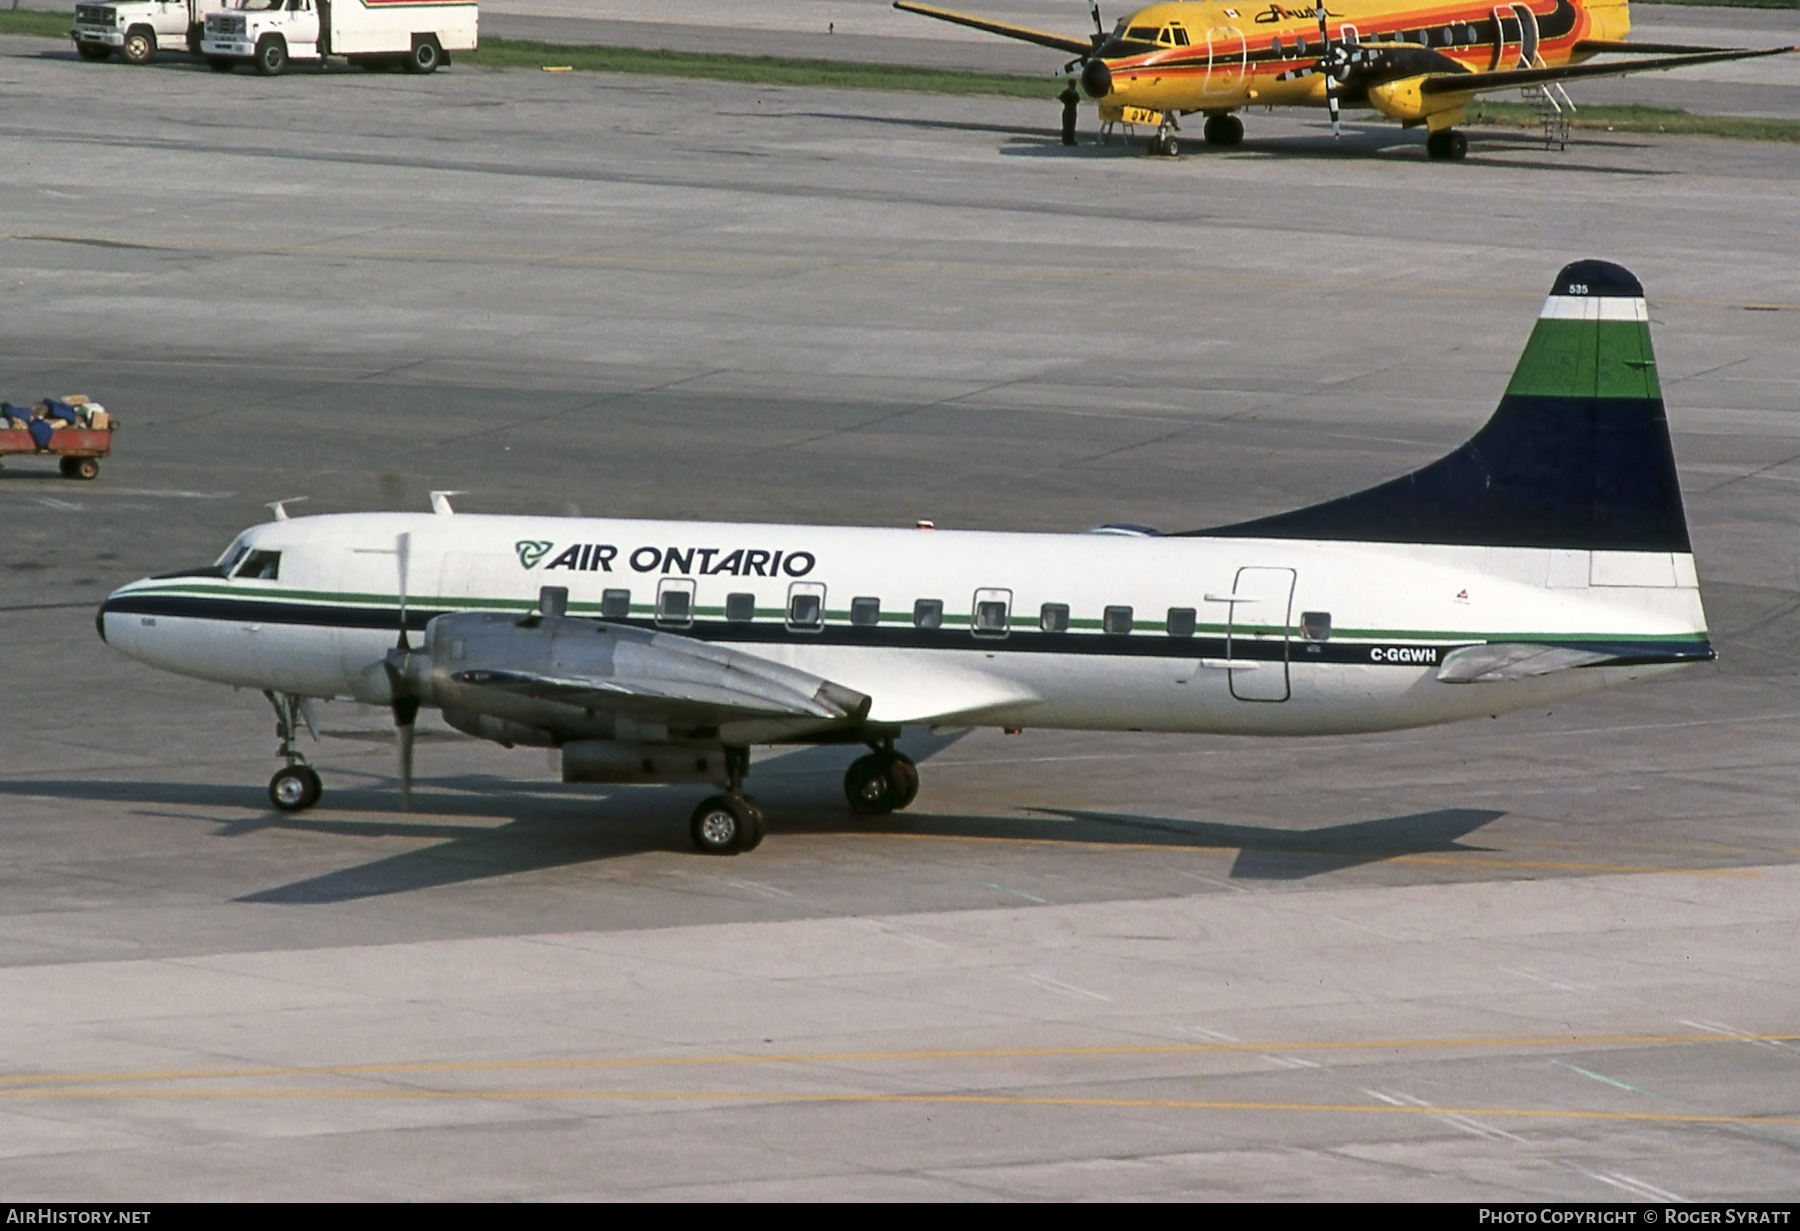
{"type": "Point", "coordinates": [997, 1100]}
{"type": "Point", "coordinates": [21, 1080]}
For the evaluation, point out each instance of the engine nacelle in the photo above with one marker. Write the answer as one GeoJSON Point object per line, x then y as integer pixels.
{"type": "Point", "coordinates": [499, 730]}
{"type": "Point", "coordinates": [604, 760]}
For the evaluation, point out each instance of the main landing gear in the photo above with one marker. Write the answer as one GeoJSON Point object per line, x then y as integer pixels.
{"type": "Point", "coordinates": [729, 823]}
{"type": "Point", "coordinates": [296, 787]}
{"type": "Point", "coordinates": [884, 781]}
{"type": "Point", "coordinates": [1447, 144]}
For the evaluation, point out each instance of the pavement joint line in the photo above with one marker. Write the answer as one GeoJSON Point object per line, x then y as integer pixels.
{"type": "Point", "coordinates": [24, 1084]}
{"type": "Point", "coordinates": [1001, 1100]}
{"type": "Point", "coordinates": [311, 248]}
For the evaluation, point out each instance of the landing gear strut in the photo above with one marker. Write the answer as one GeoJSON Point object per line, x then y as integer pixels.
{"type": "Point", "coordinates": [1447, 143]}
{"type": "Point", "coordinates": [884, 781]}
{"type": "Point", "coordinates": [729, 823]}
{"type": "Point", "coordinates": [296, 787]}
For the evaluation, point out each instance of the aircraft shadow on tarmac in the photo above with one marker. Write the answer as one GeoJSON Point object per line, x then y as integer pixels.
{"type": "Point", "coordinates": [552, 826]}
{"type": "Point", "coordinates": [1357, 143]}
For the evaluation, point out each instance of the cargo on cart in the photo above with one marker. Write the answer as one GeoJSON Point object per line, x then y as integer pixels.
{"type": "Point", "coordinates": [74, 428]}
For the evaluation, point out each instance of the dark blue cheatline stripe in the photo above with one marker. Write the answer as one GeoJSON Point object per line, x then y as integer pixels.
{"type": "Point", "coordinates": [1023, 641]}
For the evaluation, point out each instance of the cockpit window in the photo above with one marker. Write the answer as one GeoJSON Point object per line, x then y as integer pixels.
{"type": "Point", "coordinates": [260, 566]}
{"type": "Point", "coordinates": [1144, 34]}
{"type": "Point", "coordinates": [232, 557]}
{"type": "Point", "coordinates": [1180, 36]}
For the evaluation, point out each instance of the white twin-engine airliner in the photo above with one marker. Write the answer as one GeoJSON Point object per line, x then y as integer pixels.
{"type": "Point", "coordinates": [1545, 558]}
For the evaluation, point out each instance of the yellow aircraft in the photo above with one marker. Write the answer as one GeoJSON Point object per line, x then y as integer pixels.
{"type": "Point", "coordinates": [1418, 62]}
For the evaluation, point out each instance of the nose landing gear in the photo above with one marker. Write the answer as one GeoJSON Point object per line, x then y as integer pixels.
{"type": "Point", "coordinates": [1447, 144]}
{"type": "Point", "coordinates": [296, 787]}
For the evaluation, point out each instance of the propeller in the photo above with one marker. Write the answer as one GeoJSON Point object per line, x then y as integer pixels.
{"type": "Point", "coordinates": [1328, 57]}
{"type": "Point", "coordinates": [405, 705]}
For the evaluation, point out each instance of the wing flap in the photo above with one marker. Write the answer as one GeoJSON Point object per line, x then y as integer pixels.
{"type": "Point", "coordinates": [1025, 34]}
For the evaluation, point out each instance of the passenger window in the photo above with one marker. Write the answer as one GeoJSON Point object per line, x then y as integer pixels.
{"type": "Point", "coordinates": [615, 604]}
{"type": "Point", "coordinates": [865, 612]}
{"type": "Point", "coordinates": [1275, 46]}
{"type": "Point", "coordinates": [260, 566]}
{"type": "Point", "coordinates": [1315, 626]}
{"type": "Point", "coordinates": [806, 606]}
{"type": "Point", "coordinates": [928, 613]}
{"type": "Point", "coordinates": [992, 613]}
{"type": "Point", "coordinates": [675, 602]}
{"type": "Point", "coordinates": [1054, 617]}
{"type": "Point", "coordinates": [1116, 620]}
{"type": "Point", "coordinates": [740, 608]}
{"type": "Point", "coordinates": [1181, 621]}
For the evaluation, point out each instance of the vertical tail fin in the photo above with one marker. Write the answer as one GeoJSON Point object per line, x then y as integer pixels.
{"type": "Point", "coordinates": [1576, 456]}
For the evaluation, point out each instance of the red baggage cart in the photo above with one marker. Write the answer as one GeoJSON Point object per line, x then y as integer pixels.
{"type": "Point", "coordinates": [80, 448]}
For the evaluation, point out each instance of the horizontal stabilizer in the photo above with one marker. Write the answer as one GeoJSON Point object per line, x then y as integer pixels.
{"type": "Point", "coordinates": [1515, 660]}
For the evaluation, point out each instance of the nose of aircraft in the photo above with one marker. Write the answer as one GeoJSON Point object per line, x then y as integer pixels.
{"type": "Point", "coordinates": [1096, 79]}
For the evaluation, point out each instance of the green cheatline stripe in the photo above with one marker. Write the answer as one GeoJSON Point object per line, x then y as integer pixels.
{"type": "Point", "coordinates": [335, 598]}
{"type": "Point", "coordinates": [1609, 359]}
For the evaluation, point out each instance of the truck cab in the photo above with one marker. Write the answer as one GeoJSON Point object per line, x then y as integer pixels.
{"type": "Point", "coordinates": [135, 30]}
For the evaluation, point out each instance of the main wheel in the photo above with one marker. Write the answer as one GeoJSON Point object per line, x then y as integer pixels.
{"type": "Point", "coordinates": [271, 57]}
{"type": "Point", "coordinates": [140, 46]}
{"type": "Point", "coordinates": [295, 789]}
{"type": "Point", "coordinates": [220, 64]}
{"type": "Point", "coordinates": [425, 57]}
{"type": "Point", "coordinates": [721, 825]}
{"type": "Point", "coordinates": [93, 51]}
{"type": "Point", "coordinates": [875, 784]}
{"type": "Point", "coordinates": [758, 826]}
{"type": "Point", "coordinates": [906, 778]}
{"type": "Point", "coordinates": [1447, 144]}
{"type": "Point", "coordinates": [1225, 130]}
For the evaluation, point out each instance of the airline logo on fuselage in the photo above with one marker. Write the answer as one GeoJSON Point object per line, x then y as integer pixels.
{"type": "Point", "coordinates": [685, 561]}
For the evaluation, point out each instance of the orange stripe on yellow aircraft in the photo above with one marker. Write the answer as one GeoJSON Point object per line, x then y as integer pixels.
{"type": "Point", "coordinates": [1421, 64]}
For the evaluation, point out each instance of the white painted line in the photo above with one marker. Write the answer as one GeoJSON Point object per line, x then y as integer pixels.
{"type": "Point", "coordinates": [1635, 1187]}
{"type": "Point", "coordinates": [1057, 985]}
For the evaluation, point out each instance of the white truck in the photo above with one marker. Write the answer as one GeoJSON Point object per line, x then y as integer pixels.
{"type": "Point", "coordinates": [136, 30]}
{"type": "Point", "coordinates": [371, 33]}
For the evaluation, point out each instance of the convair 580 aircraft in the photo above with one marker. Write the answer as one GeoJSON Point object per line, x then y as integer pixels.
{"type": "Point", "coordinates": [1546, 558]}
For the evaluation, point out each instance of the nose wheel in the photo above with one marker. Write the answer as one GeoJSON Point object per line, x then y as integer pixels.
{"type": "Point", "coordinates": [295, 789]}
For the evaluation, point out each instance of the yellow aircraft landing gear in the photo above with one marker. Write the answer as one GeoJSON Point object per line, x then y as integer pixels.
{"type": "Point", "coordinates": [1446, 144]}
{"type": "Point", "coordinates": [1223, 130]}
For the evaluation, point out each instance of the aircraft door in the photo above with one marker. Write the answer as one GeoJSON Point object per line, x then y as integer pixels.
{"type": "Point", "coordinates": [1258, 636]}
{"type": "Point", "coordinates": [1227, 56]}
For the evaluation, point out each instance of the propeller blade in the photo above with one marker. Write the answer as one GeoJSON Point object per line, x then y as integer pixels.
{"type": "Point", "coordinates": [1331, 105]}
{"type": "Point", "coordinates": [406, 713]}
{"type": "Point", "coordinates": [1094, 9]}
{"type": "Point", "coordinates": [1328, 66]}
{"type": "Point", "coordinates": [402, 557]}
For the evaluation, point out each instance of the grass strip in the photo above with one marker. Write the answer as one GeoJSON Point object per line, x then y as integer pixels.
{"type": "Point", "coordinates": [1634, 119]}
{"type": "Point", "coordinates": [35, 21]}
{"type": "Point", "coordinates": [759, 70]}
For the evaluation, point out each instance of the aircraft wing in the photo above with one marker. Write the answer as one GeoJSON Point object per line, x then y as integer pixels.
{"type": "Point", "coordinates": [760, 699]}
{"type": "Point", "coordinates": [1025, 34]}
{"type": "Point", "coordinates": [1478, 83]}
